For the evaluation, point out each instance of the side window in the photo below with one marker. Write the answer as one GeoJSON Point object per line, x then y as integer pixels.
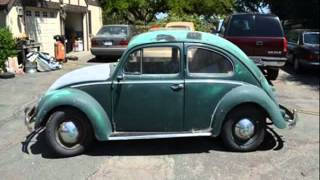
{"type": "Point", "coordinates": [206, 61]}
{"type": "Point", "coordinates": [154, 60]}
{"type": "Point", "coordinates": [293, 37]}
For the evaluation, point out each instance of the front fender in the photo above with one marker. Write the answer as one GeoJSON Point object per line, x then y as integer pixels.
{"type": "Point", "coordinates": [246, 94]}
{"type": "Point", "coordinates": [78, 99]}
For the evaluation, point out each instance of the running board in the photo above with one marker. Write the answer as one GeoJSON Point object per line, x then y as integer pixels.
{"type": "Point", "coordinates": [134, 136]}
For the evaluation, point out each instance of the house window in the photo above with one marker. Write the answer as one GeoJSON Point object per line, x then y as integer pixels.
{"type": "Point", "coordinates": [52, 14]}
{"type": "Point", "coordinates": [44, 14]}
{"type": "Point", "coordinates": [37, 13]}
{"type": "Point", "coordinates": [28, 13]}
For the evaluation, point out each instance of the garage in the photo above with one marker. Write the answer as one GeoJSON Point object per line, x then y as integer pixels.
{"type": "Point", "coordinates": [74, 31]}
{"type": "Point", "coordinates": [41, 26]}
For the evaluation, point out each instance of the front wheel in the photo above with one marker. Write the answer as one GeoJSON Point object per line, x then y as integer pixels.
{"type": "Point", "coordinates": [244, 128]}
{"type": "Point", "coordinates": [68, 132]}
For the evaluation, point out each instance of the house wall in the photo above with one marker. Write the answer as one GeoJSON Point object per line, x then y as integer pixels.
{"type": "Point", "coordinates": [96, 18]}
{"type": "Point", "coordinates": [15, 22]}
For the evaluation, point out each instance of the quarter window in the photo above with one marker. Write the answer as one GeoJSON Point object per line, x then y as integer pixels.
{"type": "Point", "coordinates": [206, 61]}
{"type": "Point", "coordinates": [154, 60]}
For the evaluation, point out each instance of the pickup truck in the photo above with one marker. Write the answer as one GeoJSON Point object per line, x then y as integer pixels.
{"type": "Point", "coordinates": [261, 37]}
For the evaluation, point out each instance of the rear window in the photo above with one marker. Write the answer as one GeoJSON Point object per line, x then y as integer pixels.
{"type": "Point", "coordinates": [268, 26]}
{"type": "Point", "coordinates": [114, 31]}
{"type": "Point", "coordinates": [241, 26]}
{"type": "Point", "coordinates": [249, 25]}
{"type": "Point", "coordinates": [311, 38]}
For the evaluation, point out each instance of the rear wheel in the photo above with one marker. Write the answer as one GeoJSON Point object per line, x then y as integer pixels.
{"type": "Point", "coordinates": [296, 66]}
{"type": "Point", "coordinates": [272, 74]}
{"type": "Point", "coordinates": [68, 132]}
{"type": "Point", "coordinates": [244, 128]}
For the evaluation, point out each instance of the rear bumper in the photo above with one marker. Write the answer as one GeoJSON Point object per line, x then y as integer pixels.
{"type": "Point", "coordinates": [105, 51]}
{"type": "Point", "coordinates": [265, 61]}
{"type": "Point", "coordinates": [290, 116]}
{"type": "Point", "coordinates": [310, 63]}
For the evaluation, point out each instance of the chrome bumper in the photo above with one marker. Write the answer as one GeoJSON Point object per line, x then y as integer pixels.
{"type": "Point", "coordinates": [290, 116]}
{"type": "Point", "coordinates": [29, 117]}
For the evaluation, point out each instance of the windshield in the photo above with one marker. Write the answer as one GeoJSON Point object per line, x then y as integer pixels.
{"type": "Point", "coordinates": [311, 38]}
{"type": "Point", "coordinates": [114, 31]}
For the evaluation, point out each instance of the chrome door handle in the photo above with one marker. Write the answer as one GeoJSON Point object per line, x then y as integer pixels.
{"type": "Point", "coordinates": [177, 87]}
{"type": "Point", "coordinates": [259, 43]}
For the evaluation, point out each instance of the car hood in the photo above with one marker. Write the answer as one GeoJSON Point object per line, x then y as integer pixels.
{"type": "Point", "coordinates": [84, 75]}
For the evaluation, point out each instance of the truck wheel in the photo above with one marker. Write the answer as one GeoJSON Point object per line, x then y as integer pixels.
{"type": "Point", "coordinates": [272, 74]}
{"type": "Point", "coordinates": [244, 129]}
{"type": "Point", "coordinates": [296, 66]}
{"type": "Point", "coordinates": [68, 132]}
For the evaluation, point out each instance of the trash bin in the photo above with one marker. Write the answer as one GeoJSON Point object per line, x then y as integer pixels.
{"type": "Point", "coordinates": [59, 48]}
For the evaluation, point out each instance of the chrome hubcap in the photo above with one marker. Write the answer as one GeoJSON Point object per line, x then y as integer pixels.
{"type": "Point", "coordinates": [68, 132]}
{"type": "Point", "coordinates": [244, 129]}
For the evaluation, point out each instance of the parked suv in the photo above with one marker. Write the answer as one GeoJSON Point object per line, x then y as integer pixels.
{"type": "Point", "coordinates": [261, 37]}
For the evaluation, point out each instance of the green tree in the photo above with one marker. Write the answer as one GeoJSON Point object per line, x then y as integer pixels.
{"type": "Point", "coordinates": [7, 46]}
{"type": "Point", "coordinates": [304, 12]}
{"type": "Point", "coordinates": [132, 11]}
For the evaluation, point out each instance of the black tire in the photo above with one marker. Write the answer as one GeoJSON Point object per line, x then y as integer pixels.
{"type": "Point", "coordinates": [297, 66]}
{"type": "Point", "coordinates": [256, 116]}
{"type": "Point", "coordinates": [7, 75]}
{"type": "Point", "coordinates": [272, 74]}
{"type": "Point", "coordinates": [99, 57]}
{"type": "Point", "coordinates": [54, 139]}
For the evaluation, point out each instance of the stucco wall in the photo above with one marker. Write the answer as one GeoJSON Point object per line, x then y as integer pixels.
{"type": "Point", "coordinates": [14, 22]}
{"type": "Point", "coordinates": [96, 18]}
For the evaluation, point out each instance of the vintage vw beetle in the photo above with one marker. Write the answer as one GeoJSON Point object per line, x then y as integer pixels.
{"type": "Point", "coordinates": [167, 84]}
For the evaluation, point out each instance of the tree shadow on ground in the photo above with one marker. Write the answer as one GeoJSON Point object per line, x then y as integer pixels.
{"type": "Point", "coordinates": [106, 59]}
{"type": "Point", "coordinates": [309, 76]}
{"type": "Point", "coordinates": [272, 141]}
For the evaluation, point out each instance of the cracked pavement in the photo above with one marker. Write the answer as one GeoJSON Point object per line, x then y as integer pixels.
{"type": "Point", "coordinates": [285, 154]}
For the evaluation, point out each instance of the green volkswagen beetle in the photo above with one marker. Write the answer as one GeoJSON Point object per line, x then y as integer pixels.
{"type": "Point", "coordinates": [167, 84]}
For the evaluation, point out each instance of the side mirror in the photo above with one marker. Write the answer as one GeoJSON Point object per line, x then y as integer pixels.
{"type": "Point", "coordinates": [119, 77]}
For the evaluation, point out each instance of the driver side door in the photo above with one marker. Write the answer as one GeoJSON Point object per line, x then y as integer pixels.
{"type": "Point", "coordinates": [149, 95]}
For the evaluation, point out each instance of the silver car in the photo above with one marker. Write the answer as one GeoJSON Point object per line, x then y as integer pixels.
{"type": "Point", "coordinates": [112, 40]}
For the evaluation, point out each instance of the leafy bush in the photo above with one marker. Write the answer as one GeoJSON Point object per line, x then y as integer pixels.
{"type": "Point", "coordinates": [7, 46]}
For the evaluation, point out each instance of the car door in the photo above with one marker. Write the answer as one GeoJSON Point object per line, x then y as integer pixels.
{"type": "Point", "coordinates": [209, 76]}
{"type": "Point", "coordinates": [149, 90]}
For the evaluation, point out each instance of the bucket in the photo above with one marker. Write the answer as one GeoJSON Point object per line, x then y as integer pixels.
{"type": "Point", "coordinates": [30, 67]}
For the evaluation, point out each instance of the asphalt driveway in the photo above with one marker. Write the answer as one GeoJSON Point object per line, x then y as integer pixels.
{"type": "Point", "coordinates": [285, 154]}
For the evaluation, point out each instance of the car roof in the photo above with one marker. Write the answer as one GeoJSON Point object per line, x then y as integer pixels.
{"type": "Point", "coordinates": [184, 36]}
{"type": "Point", "coordinates": [255, 14]}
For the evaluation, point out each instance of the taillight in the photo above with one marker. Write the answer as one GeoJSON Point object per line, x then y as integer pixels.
{"type": "Point", "coordinates": [94, 43]}
{"type": "Point", "coordinates": [124, 42]}
{"type": "Point", "coordinates": [285, 45]}
{"type": "Point", "coordinates": [311, 57]}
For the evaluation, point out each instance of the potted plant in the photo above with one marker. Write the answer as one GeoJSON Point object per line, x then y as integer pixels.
{"type": "Point", "coordinates": [7, 49]}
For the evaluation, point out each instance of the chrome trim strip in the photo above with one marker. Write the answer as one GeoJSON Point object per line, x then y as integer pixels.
{"type": "Point", "coordinates": [90, 84]}
{"type": "Point", "coordinates": [213, 81]}
{"type": "Point", "coordinates": [149, 82]}
{"type": "Point", "coordinates": [159, 136]}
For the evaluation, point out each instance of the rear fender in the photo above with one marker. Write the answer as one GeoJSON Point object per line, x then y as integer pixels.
{"type": "Point", "coordinates": [80, 100]}
{"type": "Point", "coordinates": [246, 94]}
